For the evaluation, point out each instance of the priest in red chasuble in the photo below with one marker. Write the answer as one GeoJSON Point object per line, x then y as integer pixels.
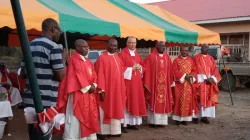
{"type": "Point", "coordinates": [111, 90]}
{"type": "Point", "coordinates": [135, 103]}
{"type": "Point", "coordinates": [207, 77]}
{"type": "Point", "coordinates": [185, 95]}
{"type": "Point", "coordinates": [76, 96]}
{"type": "Point", "coordinates": [158, 79]}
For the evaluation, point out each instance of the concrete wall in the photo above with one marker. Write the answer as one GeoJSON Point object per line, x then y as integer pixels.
{"type": "Point", "coordinates": [230, 27]}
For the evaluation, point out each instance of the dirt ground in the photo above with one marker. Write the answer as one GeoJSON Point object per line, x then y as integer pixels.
{"type": "Point", "coordinates": [232, 122]}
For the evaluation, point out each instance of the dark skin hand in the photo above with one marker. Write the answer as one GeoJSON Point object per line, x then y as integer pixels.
{"type": "Point", "coordinates": [209, 80]}
{"type": "Point", "coordinates": [6, 85]}
{"type": "Point", "coordinates": [188, 77]}
{"type": "Point", "coordinates": [92, 89]}
{"type": "Point", "coordinates": [102, 96]}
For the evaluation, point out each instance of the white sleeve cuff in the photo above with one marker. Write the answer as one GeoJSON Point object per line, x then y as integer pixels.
{"type": "Point", "coordinates": [101, 91]}
{"type": "Point", "coordinates": [140, 69]}
{"type": "Point", "coordinates": [86, 89]}
{"type": "Point", "coordinates": [173, 84]}
{"type": "Point", "coordinates": [201, 78]}
{"type": "Point", "coordinates": [215, 79]}
{"type": "Point", "coordinates": [193, 80]}
{"type": "Point", "coordinates": [128, 73]}
{"type": "Point", "coordinates": [182, 80]}
{"type": "Point", "coordinates": [95, 85]}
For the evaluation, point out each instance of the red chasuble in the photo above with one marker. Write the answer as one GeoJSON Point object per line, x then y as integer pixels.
{"type": "Point", "coordinates": [185, 96]}
{"type": "Point", "coordinates": [158, 79]}
{"type": "Point", "coordinates": [135, 105]}
{"type": "Point", "coordinates": [208, 93]}
{"type": "Point", "coordinates": [110, 79]}
{"type": "Point", "coordinates": [80, 74]}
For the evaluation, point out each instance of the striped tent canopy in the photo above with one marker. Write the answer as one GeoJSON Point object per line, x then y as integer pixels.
{"type": "Point", "coordinates": [119, 18]}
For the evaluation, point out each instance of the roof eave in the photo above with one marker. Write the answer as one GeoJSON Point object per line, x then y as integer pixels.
{"type": "Point", "coordinates": [223, 20]}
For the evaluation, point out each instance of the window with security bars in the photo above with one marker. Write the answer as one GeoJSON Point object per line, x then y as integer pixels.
{"type": "Point", "coordinates": [173, 51]}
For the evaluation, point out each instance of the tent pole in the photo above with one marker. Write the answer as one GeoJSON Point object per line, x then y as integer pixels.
{"type": "Point", "coordinates": [229, 87]}
{"type": "Point", "coordinates": [23, 37]}
{"type": "Point", "coordinates": [66, 41]}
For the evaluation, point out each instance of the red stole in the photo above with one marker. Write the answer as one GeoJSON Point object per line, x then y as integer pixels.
{"type": "Point", "coordinates": [158, 79]}
{"type": "Point", "coordinates": [208, 92]}
{"type": "Point", "coordinates": [110, 79]}
{"type": "Point", "coordinates": [136, 105]}
{"type": "Point", "coordinates": [79, 75]}
{"type": "Point", "coordinates": [185, 96]}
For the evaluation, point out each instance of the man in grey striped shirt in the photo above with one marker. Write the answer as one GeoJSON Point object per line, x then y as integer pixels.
{"type": "Point", "coordinates": [49, 60]}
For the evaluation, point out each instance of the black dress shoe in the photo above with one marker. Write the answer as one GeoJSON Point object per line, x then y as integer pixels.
{"type": "Point", "coordinates": [102, 137]}
{"type": "Point", "coordinates": [119, 135]}
{"type": "Point", "coordinates": [178, 123]}
{"type": "Point", "coordinates": [195, 120]}
{"type": "Point", "coordinates": [124, 130]}
{"type": "Point", "coordinates": [205, 120]}
{"type": "Point", "coordinates": [153, 126]}
{"type": "Point", "coordinates": [133, 127]}
{"type": "Point", "coordinates": [184, 123]}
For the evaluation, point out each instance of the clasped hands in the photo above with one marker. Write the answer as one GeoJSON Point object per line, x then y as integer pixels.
{"type": "Point", "coordinates": [101, 94]}
{"type": "Point", "coordinates": [189, 78]}
{"type": "Point", "coordinates": [136, 67]}
{"type": "Point", "coordinates": [209, 80]}
{"type": "Point", "coordinates": [92, 89]}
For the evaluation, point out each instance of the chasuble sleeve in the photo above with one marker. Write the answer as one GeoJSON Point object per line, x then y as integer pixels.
{"type": "Point", "coordinates": [147, 72]}
{"type": "Point", "coordinates": [215, 73]}
{"type": "Point", "coordinates": [127, 70]}
{"type": "Point", "coordinates": [141, 63]}
{"type": "Point", "coordinates": [193, 70]}
{"type": "Point", "coordinates": [99, 67]}
{"type": "Point", "coordinates": [201, 77]}
{"type": "Point", "coordinates": [177, 74]}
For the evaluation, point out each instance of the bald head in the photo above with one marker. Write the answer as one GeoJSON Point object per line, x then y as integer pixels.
{"type": "Point", "coordinates": [160, 46]}
{"type": "Point", "coordinates": [112, 46]}
{"type": "Point", "coordinates": [184, 47]}
{"type": "Point", "coordinates": [51, 29]}
{"type": "Point", "coordinates": [112, 40]}
{"type": "Point", "coordinates": [184, 51]}
{"type": "Point", "coordinates": [159, 43]}
{"type": "Point", "coordinates": [80, 42]}
{"type": "Point", "coordinates": [48, 24]}
{"type": "Point", "coordinates": [82, 47]}
{"type": "Point", "coordinates": [204, 49]}
{"type": "Point", "coordinates": [131, 42]}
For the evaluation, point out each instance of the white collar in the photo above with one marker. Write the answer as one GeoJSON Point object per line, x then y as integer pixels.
{"type": "Point", "coordinates": [161, 55]}
{"type": "Point", "coordinates": [111, 53]}
{"type": "Point", "coordinates": [132, 52]}
{"type": "Point", "coordinates": [83, 58]}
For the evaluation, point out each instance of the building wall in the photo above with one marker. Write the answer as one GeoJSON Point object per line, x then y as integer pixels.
{"type": "Point", "coordinates": [230, 27]}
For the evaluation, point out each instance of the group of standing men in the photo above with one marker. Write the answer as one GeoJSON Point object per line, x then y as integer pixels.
{"type": "Point", "coordinates": [113, 95]}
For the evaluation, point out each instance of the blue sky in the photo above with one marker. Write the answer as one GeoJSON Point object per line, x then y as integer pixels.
{"type": "Point", "coordinates": [146, 1]}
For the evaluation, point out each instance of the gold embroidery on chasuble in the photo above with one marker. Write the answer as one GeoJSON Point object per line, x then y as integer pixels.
{"type": "Point", "coordinates": [161, 93]}
{"type": "Point", "coordinates": [185, 66]}
{"type": "Point", "coordinates": [161, 85]}
{"type": "Point", "coordinates": [90, 71]}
